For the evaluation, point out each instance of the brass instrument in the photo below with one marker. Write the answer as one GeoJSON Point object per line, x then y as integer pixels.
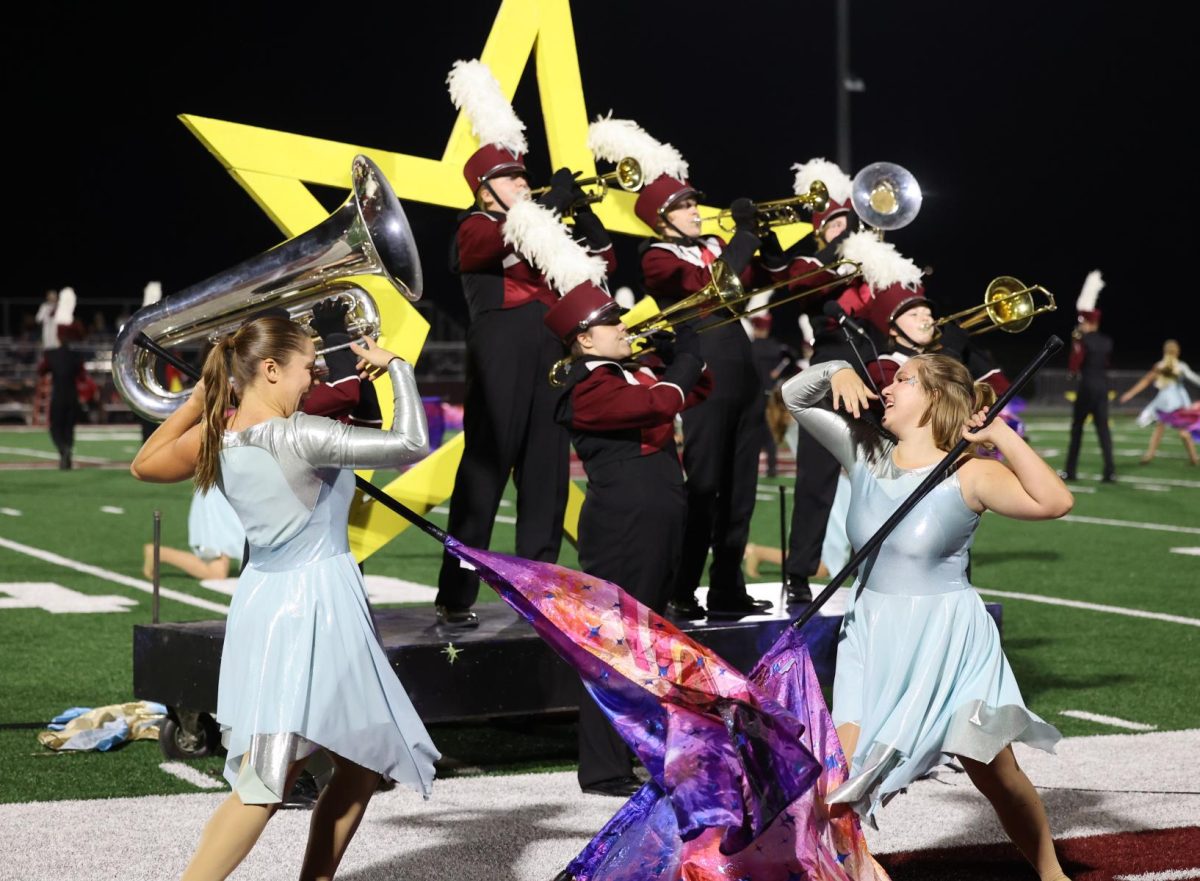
{"type": "Point", "coordinates": [1008, 305]}
{"type": "Point", "coordinates": [628, 176]}
{"type": "Point", "coordinates": [368, 235]}
{"type": "Point", "coordinates": [885, 196]}
{"type": "Point", "coordinates": [724, 291]}
{"type": "Point", "coordinates": [780, 212]}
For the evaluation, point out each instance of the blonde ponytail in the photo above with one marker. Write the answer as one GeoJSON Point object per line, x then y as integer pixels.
{"type": "Point", "coordinates": [233, 365]}
{"type": "Point", "coordinates": [217, 400]}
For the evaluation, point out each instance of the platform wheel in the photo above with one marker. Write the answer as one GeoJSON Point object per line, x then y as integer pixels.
{"type": "Point", "coordinates": [188, 734]}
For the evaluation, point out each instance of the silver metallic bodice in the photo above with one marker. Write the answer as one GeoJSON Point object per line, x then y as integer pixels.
{"type": "Point", "coordinates": [275, 473]}
{"type": "Point", "coordinates": [927, 551]}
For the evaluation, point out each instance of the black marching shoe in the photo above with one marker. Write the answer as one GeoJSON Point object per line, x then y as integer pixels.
{"type": "Point", "coordinates": [799, 591]}
{"type": "Point", "coordinates": [461, 619]}
{"type": "Point", "coordinates": [733, 607]}
{"type": "Point", "coordinates": [620, 787]}
{"type": "Point", "coordinates": [685, 608]}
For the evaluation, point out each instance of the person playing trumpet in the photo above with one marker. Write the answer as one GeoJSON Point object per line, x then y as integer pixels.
{"type": "Point", "coordinates": [508, 415]}
{"type": "Point", "coordinates": [721, 439]}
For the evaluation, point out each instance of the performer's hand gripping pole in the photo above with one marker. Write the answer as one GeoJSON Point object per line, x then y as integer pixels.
{"type": "Point", "coordinates": [1048, 350]}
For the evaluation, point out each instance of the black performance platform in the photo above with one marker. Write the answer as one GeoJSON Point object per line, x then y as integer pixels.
{"type": "Point", "coordinates": [502, 668]}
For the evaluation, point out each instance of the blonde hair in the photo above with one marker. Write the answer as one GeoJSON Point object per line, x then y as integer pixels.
{"type": "Point", "coordinates": [954, 397]}
{"type": "Point", "coordinates": [237, 357]}
{"type": "Point", "coordinates": [1169, 365]}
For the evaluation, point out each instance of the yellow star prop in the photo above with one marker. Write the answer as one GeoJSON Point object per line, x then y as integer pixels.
{"type": "Point", "coordinates": [274, 167]}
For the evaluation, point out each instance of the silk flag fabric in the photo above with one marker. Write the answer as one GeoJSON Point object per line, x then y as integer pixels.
{"type": "Point", "coordinates": [739, 768]}
{"type": "Point", "coordinates": [726, 758]}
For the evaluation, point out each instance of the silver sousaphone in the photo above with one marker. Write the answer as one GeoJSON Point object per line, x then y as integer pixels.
{"type": "Point", "coordinates": [368, 235]}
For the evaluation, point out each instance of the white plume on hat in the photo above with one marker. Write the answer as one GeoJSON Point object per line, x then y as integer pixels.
{"type": "Point", "coordinates": [475, 91]}
{"type": "Point", "coordinates": [538, 234]}
{"type": "Point", "coordinates": [1092, 285]}
{"type": "Point", "coordinates": [882, 265]}
{"type": "Point", "coordinates": [151, 293]}
{"type": "Point", "coordinates": [829, 173]}
{"type": "Point", "coordinates": [625, 297]}
{"type": "Point", "coordinates": [616, 139]}
{"type": "Point", "coordinates": [64, 312]}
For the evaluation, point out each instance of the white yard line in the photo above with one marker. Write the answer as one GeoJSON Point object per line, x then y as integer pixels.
{"type": "Point", "coordinates": [10, 512]}
{"type": "Point", "coordinates": [1131, 524]}
{"type": "Point", "coordinates": [42, 454]}
{"type": "Point", "coordinates": [499, 518]}
{"type": "Point", "coordinates": [1161, 481]}
{"type": "Point", "coordinates": [1169, 875]}
{"type": "Point", "coordinates": [1190, 552]}
{"type": "Point", "coordinates": [115, 577]}
{"type": "Point", "coordinates": [190, 775]}
{"type": "Point", "coordinates": [1091, 607]}
{"type": "Point", "coordinates": [1108, 720]}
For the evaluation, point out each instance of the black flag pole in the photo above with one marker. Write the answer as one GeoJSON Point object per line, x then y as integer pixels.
{"type": "Point", "coordinates": [365, 485]}
{"type": "Point", "coordinates": [1053, 344]}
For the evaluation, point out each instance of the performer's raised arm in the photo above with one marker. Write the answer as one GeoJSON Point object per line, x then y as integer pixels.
{"type": "Point", "coordinates": [805, 395]}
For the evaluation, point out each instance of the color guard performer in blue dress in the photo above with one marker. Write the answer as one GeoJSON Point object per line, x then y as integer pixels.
{"type": "Point", "coordinates": [302, 669]}
{"type": "Point", "coordinates": [921, 676]}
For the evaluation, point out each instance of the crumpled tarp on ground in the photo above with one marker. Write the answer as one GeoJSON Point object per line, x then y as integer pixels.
{"type": "Point", "coordinates": [102, 728]}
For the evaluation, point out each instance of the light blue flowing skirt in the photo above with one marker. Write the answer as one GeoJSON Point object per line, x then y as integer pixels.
{"type": "Point", "coordinates": [214, 529]}
{"type": "Point", "coordinates": [925, 679]}
{"type": "Point", "coordinates": [302, 669]}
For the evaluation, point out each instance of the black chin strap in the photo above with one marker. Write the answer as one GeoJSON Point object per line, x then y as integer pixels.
{"type": "Point", "coordinates": [689, 241]}
{"type": "Point", "coordinates": [487, 184]}
{"type": "Point", "coordinates": [920, 350]}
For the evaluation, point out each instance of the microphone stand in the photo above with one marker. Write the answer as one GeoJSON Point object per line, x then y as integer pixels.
{"type": "Point", "coordinates": [1053, 344]}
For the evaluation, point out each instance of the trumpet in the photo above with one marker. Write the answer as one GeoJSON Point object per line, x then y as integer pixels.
{"type": "Point", "coordinates": [780, 212]}
{"type": "Point", "coordinates": [1008, 305]}
{"type": "Point", "coordinates": [628, 176]}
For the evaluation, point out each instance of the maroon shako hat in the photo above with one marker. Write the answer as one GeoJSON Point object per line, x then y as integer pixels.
{"type": "Point", "coordinates": [657, 197]}
{"type": "Point", "coordinates": [584, 306]}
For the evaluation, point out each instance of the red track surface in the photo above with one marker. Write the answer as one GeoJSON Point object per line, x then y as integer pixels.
{"type": "Point", "coordinates": [1094, 858]}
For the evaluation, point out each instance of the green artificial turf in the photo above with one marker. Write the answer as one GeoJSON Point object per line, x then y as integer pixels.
{"type": "Point", "coordinates": [1065, 658]}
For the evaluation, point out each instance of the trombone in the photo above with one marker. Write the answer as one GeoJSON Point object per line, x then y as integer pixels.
{"type": "Point", "coordinates": [1008, 305]}
{"type": "Point", "coordinates": [627, 175]}
{"type": "Point", "coordinates": [724, 291]}
{"type": "Point", "coordinates": [780, 212]}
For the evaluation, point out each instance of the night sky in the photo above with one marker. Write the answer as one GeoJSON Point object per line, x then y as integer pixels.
{"type": "Point", "coordinates": [1047, 137]}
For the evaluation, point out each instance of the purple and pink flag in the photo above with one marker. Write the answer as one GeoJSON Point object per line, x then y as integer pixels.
{"type": "Point", "coordinates": [739, 766]}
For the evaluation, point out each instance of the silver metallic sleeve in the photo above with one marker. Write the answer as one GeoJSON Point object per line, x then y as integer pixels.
{"type": "Point", "coordinates": [326, 443]}
{"type": "Point", "coordinates": [805, 395]}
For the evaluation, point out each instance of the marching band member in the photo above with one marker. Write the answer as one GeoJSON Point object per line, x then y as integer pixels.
{"type": "Point", "coordinates": [816, 470]}
{"type": "Point", "coordinates": [621, 414]}
{"type": "Point", "coordinates": [1090, 351]}
{"type": "Point", "coordinates": [508, 415]}
{"type": "Point", "coordinates": [721, 439]}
